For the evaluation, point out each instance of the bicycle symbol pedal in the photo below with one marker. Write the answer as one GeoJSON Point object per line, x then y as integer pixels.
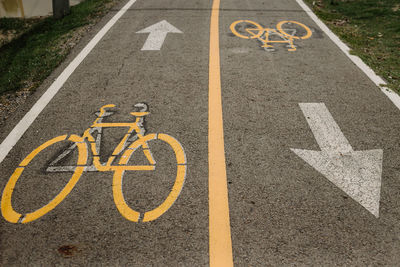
{"type": "Point", "coordinates": [286, 32]}
{"type": "Point", "coordinates": [118, 163]}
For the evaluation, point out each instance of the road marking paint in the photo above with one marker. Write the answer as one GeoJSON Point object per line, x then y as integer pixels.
{"type": "Point", "coordinates": [219, 225]}
{"type": "Point", "coordinates": [158, 33]}
{"type": "Point", "coordinates": [16, 134]}
{"type": "Point", "coordinates": [256, 31]}
{"type": "Point", "coordinates": [395, 98]}
{"type": "Point", "coordinates": [124, 146]}
{"type": "Point", "coordinates": [6, 204]}
{"type": "Point", "coordinates": [280, 29]}
{"type": "Point", "coordinates": [357, 173]}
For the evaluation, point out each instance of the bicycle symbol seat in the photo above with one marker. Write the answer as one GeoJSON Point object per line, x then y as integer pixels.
{"type": "Point", "coordinates": [133, 139]}
{"type": "Point", "coordinates": [286, 32]}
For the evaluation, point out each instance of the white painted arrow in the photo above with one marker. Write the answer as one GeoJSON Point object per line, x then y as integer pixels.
{"type": "Point", "coordinates": [157, 35]}
{"type": "Point", "coordinates": [357, 173]}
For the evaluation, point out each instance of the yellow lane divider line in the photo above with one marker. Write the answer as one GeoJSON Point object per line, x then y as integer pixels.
{"type": "Point", "coordinates": [219, 225]}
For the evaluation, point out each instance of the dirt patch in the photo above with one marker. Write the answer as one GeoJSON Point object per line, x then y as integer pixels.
{"type": "Point", "coordinates": [10, 102]}
{"type": "Point", "coordinates": [68, 251]}
{"type": "Point", "coordinates": [7, 35]}
{"type": "Point", "coordinates": [340, 22]}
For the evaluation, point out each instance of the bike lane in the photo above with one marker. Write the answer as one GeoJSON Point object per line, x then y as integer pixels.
{"type": "Point", "coordinates": [87, 228]}
{"type": "Point", "coordinates": [282, 210]}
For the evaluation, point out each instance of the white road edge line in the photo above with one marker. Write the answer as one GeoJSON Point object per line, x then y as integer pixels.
{"type": "Point", "coordinates": [14, 136]}
{"type": "Point", "coordinates": [395, 98]}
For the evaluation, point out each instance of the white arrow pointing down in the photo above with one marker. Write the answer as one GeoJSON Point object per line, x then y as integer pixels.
{"type": "Point", "coordinates": [158, 33]}
{"type": "Point", "coordinates": [357, 173]}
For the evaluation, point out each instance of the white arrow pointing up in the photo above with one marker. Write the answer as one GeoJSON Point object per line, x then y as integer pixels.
{"type": "Point", "coordinates": [157, 35]}
{"type": "Point", "coordinates": [357, 173]}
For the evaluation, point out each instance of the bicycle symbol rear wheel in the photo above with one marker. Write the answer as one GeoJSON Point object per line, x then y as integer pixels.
{"type": "Point", "coordinates": [153, 214]}
{"type": "Point", "coordinates": [247, 29]}
{"type": "Point", "coordinates": [6, 204]}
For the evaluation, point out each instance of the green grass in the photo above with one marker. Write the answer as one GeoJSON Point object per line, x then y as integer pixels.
{"type": "Point", "coordinates": [13, 24]}
{"type": "Point", "coordinates": [27, 60]}
{"type": "Point", "coordinates": [371, 28]}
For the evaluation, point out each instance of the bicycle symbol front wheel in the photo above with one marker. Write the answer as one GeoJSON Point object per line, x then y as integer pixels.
{"type": "Point", "coordinates": [153, 214]}
{"type": "Point", "coordinates": [306, 32]}
{"type": "Point", "coordinates": [6, 200]}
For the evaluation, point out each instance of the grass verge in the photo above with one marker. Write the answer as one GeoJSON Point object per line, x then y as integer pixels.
{"type": "Point", "coordinates": [371, 28]}
{"type": "Point", "coordinates": [30, 57]}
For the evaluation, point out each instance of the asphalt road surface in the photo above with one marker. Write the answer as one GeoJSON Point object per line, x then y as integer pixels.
{"type": "Point", "coordinates": [259, 143]}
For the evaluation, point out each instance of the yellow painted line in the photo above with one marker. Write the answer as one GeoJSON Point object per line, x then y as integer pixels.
{"type": "Point", "coordinates": [6, 204]}
{"type": "Point", "coordinates": [171, 198]}
{"type": "Point", "coordinates": [119, 200]}
{"type": "Point", "coordinates": [113, 124]}
{"type": "Point", "coordinates": [279, 27]}
{"type": "Point", "coordinates": [151, 215]}
{"type": "Point", "coordinates": [219, 226]}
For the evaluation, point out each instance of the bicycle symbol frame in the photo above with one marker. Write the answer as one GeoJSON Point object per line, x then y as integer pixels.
{"type": "Point", "coordinates": [133, 139]}
{"type": "Point", "coordinates": [253, 30]}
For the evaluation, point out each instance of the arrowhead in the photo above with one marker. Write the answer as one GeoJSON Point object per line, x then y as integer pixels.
{"type": "Point", "coordinates": [357, 173]}
{"type": "Point", "coordinates": [162, 26]}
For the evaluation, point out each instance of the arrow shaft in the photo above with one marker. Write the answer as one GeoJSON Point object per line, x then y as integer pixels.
{"type": "Point", "coordinates": [154, 41]}
{"type": "Point", "coordinates": [326, 131]}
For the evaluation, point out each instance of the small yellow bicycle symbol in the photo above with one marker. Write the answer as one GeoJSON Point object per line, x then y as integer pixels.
{"type": "Point", "coordinates": [133, 139]}
{"type": "Point", "coordinates": [286, 32]}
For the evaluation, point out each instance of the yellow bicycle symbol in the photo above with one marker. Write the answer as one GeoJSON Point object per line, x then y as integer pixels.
{"type": "Point", "coordinates": [285, 32]}
{"type": "Point", "coordinates": [135, 132]}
